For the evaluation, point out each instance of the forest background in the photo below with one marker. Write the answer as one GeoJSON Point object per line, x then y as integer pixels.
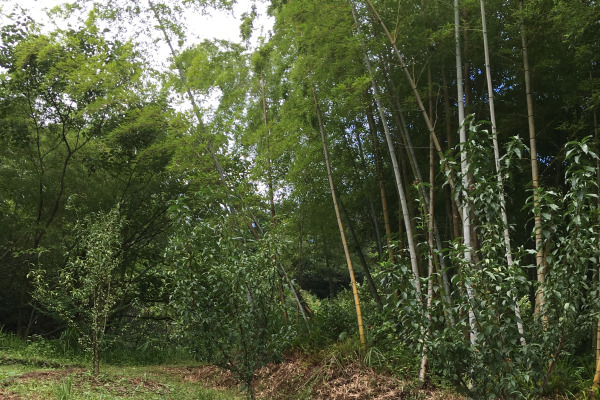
{"type": "Point", "coordinates": [221, 203]}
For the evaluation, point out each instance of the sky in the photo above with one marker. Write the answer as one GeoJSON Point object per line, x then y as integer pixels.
{"type": "Point", "coordinates": [215, 25]}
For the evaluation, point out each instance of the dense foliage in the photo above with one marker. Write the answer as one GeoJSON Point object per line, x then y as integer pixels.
{"type": "Point", "coordinates": [464, 177]}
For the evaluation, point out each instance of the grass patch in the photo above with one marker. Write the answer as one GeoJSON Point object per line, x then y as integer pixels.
{"type": "Point", "coordinates": [41, 369]}
{"type": "Point", "coordinates": [36, 351]}
{"type": "Point", "coordinates": [115, 383]}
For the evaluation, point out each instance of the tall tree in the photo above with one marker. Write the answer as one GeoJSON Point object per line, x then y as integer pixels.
{"type": "Point", "coordinates": [464, 168]}
{"type": "Point", "coordinates": [64, 95]}
{"type": "Point", "coordinates": [490, 91]}
{"type": "Point", "coordinates": [535, 182]}
{"type": "Point", "coordinates": [399, 185]}
{"type": "Point", "coordinates": [361, 331]}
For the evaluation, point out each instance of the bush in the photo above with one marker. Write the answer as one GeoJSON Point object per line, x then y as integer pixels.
{"type": "Point", "coordinates": [334, 320]}
{"type": "Point", "coordinates": [224, 294]}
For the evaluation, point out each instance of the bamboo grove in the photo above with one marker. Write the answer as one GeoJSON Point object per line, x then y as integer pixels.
{"type": "Point", "coordinates": [419, 175]}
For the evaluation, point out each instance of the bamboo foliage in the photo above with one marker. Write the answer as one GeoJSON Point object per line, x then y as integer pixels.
{"type": "Point", "coordinates": [232, 206]}
{"type": "Point", "coordinates": [223, 179]}
{"type": "Point", "coordinates": [399, 186]}
{"type": "Point", "coordinates": [426, 116]}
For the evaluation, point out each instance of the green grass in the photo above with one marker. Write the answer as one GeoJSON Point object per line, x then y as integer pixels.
{"type": "Point", "coordinates": [38, 369]}
{"type": "Point", "coordinates": [114, 383]}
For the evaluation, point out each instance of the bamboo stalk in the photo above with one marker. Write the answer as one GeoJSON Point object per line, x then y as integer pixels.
{"type": "Point", "coordinates": [396, 168]}
{"type": "Point", "coordinates": [361, 331]}
{"type": "Point", "coordinates": [506, 233]}
{"type": "Point", "coordinates": [466, 218]}
{"type": "Point", "coordinates": [539, 258]}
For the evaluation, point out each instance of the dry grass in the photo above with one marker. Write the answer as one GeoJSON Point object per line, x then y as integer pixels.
{"type": "Point", "coordinates": [301, 377]}
{"type": "Point", "coordinates": [206, 375]}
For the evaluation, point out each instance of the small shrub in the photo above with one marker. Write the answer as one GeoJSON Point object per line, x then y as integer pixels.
{"type": "Point", "coordinates": [84, 292]}
{"type": "Point", "coordinates": [10, 343]}
{"type": "Point", "coordinates": [334, 320]}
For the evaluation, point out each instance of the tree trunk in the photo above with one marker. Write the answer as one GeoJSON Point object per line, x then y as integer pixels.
{"type": "Point", "coordinates": [361, 331]}
{"type": "Point", "coordinates": [95, 355]}
{"type": "Point", "coordinates": [466, 218]}
{"type": "Point", "coordinates": [400, 187]}
{"type": "Point", "coordinates": [415, 90]}
{"type": "Point", "coordinates": [369, 196]}
{"type": "Point", "coordinates": [361, 257]}
{"type": "Point", "coordinates": [408, 184]}
{"type": "Point", "coordinates": [382, 191]}
{"type": "Point", "coordinates": [430, 242]}
{"type": "Point", "coordinates": [466, 66]}
{"type": "Point", "coordinates": [270, 187]}
{"type": "Point", "coordinates": [506, 233]}
{"type": "Point", "coordinates": [539, 259]}
{"type": "Point", "coordinates": [449, 138]}
{"type": "Point", "coordinates": [412, 158]}
{"type": "Point", "coordinates": [596, 383]}
{"type": "Point", "coordinates": [359, 178]}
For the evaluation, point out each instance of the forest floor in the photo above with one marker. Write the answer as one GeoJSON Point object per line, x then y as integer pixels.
{"type": "Point", "coordinates": [35, 379]}
{"type": "Point", "coordinates": [297, 377]}
{"type": "Point", "coordinates": [305, 377]}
